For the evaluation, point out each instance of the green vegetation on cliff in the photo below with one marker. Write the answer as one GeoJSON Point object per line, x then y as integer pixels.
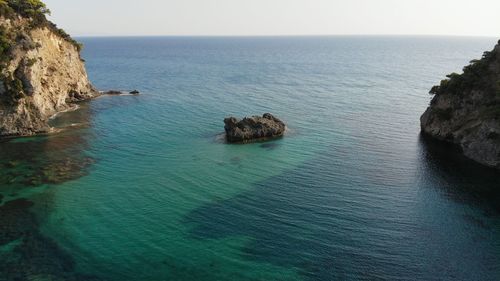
{"type": "Point", "coordinates": [12, 85]}
{"type": "Point", "coordinates": [35, 10]}
{"type": "Point", "coordinates": [478, 75]}
{"type": "Point", "coordinates": [5, 45]}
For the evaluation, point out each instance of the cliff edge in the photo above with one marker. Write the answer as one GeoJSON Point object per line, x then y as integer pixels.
{"type": "Point", "coordinates": [465, 110]}
{"type": "Point", "coordinates": [41, 71]}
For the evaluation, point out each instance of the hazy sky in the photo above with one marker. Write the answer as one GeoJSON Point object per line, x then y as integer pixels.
{"type": "Point", "coordinates": [277, 17]}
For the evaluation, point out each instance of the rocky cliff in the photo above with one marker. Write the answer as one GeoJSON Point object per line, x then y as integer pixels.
{"type": "Point", "coordinates": [465, 110]}
{"type": "Point", "coordinates": [41, 71]}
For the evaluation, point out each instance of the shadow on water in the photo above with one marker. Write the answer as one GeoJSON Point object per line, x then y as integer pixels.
{"type": "Point", "coordinates": [52, 159]}
{"type": "Point", "coordinates": [462, 179]}
{"type": "Point", "coordinates": [27, 166]}
{"type": "Point", "coordinates": [327, 220]}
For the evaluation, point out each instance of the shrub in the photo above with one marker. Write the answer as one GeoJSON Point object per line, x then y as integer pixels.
{"type": "Point", "coordinates": [29, 8]}
{"type": "Point", "coordinates": [14, 90]}
{"type": "Point", "coordinates": [5, 9]}
{"type": "Point", "coordinates": [5, 45]}
{"type": "Point", "coordinates": [31, 62]}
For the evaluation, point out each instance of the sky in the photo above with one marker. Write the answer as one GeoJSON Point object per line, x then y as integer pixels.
{"type": "Point", "coordinates": [276, 17]}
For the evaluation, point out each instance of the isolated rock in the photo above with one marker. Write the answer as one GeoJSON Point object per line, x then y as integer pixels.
{"type": "Point", "coordinates": [253, 128]}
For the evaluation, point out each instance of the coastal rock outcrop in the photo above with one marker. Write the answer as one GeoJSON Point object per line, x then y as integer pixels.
{"type": "Point", "coordinates": [253, 128]}
{"type": "Point", "coordinates": [41, 71]}
{"type": "Point", "coordinates": [465, 110]}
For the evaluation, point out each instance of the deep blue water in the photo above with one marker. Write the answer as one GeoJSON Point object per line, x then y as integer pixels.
{"type": "Point", "coordinates": [144, 187]}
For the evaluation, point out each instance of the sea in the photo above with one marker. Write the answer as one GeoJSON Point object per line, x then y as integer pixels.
{"type": "Point", "coordinates": [145, 188]}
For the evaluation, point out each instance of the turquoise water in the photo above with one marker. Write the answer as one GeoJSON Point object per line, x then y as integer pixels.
{"type": "Point", "coordinates": [144, 187]}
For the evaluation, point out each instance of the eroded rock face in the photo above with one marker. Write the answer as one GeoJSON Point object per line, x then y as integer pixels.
{"type": "Point", "coordinates": [42, 75]}
{"type": "Point", "coordinates": [466, 110]}
{"type": "Point", "coordinates": [253, 128]}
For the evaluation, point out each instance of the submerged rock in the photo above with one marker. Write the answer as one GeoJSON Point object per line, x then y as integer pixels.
{"type": "Point", "coordinates": [465, 110]}
{"type": "Point", "coordinates": [269, 146]}
{"type": "Point", "coordinates": [113, 93]}
{"type": "Point", "coordinates": [253, 128]}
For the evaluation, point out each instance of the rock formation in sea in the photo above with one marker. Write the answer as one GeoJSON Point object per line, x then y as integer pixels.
{"type": "Point", "coordinates": [119, 93]}
{"type": "Point", "coordinates": [253, 128]}
{"type": "Point", "coordinates": [41, 71]}
{"type": "Point", "coordinates": [465, 110]}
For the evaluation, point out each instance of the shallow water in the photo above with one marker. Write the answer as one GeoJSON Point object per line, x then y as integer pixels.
{"type": "Point", "coordinates": [143, 187]}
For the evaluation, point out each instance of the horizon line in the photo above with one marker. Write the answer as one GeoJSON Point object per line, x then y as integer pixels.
{"type": "Point", "coordinates": [292, 35]}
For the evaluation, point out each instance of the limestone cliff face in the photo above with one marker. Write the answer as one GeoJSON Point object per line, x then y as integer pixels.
{"type": "Point", "coordinates": [466, 110]}
{"type": "Point", "coordinates": [41, 73]}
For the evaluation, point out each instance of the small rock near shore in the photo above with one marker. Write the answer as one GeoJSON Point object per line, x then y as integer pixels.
{"type": "Point", "coordinates": [117, 93]}
{"type": "Point", "coordinates": [113, 93]}
{"type": "Point", "coordinates": [253, 128]}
